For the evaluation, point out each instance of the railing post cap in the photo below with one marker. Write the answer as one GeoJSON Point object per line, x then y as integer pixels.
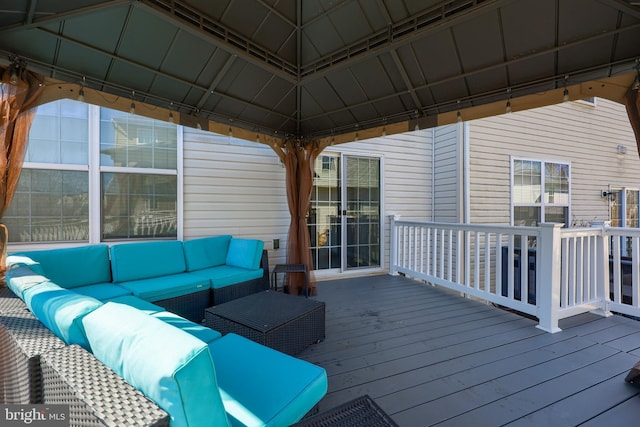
{"type": "Point", "coordinates": [599, 224]}
{"type": "Point", "coordinates": [551, 224]}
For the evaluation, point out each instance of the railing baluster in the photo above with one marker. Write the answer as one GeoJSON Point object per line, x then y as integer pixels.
{"type": "Point", "coordinates": [487, 262]}
{"type": "Point", "coordinates": [635, 256]}
{"type": "Point", "coordinates": [469, 258]}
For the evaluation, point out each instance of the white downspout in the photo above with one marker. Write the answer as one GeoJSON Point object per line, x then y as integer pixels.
{"type": "Point", "coordinates": [433, 174]}
{"type": "Point", "coordinates": [466, 196]}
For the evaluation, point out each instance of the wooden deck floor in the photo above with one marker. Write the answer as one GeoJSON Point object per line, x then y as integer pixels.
{"type": "Point", "coordinates": [430, 357]}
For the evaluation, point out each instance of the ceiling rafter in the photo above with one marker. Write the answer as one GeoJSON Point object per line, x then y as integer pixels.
{"type": "Point", "coordinates": [278, 13]}
{"type": "Point", "coordinates": [623, 6]}
{"type": "Point", "coordinates": [216, 80]}
{"type": "Point", "coordinates": [399, 34]}
{"type": "Point", "coordinates": [405, 78]}
{"type": "Point", "coordinates": [194, 21]}
{"type": "Point", "coordinates": [31, 11]}
{"type": "Point", "coordinates": [325, 13]}
{"type": "Point", "coordinates": [208, 81]}
{"type": "Point", "coordinates": [153, 70]}
{"type": "Point", "coordinates": [464, 75]}
{"type": "Point", "coordinates": [58, 17]}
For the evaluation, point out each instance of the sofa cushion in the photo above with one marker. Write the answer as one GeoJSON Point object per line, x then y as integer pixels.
{"type": "Point", "coordinates": [135, 261]}
{"type": "Point", "coordinates": [201, 332]}
{"type": "Point", "coordinates": [168, 365]}
{"type": "Point", "coordinates": [14, 261]}
{"type": "Point", "coordinates": [226, 275]}
{"type": "Point", "coordinates": [21, 278]}
{"type": "Point", "coordinates": [103, 291]}
{"type": "Point", "coordinates": [61, 310]}
{"type": "Point", "coordinates": [138, 303]}
{"type": "Point", "coordinates": [277, 391]}
{"type": "Point", "coordinates": [171, 286]}
{"type": "Point", "coordinates": [245, 253]}
{"type": "Point", "coordinates": [206, 252]}
{"type": "Point", "coordinates": [73, 267]}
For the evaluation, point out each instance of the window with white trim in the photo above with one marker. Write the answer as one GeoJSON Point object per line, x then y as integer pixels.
{"type": "Point", "coordinates": [624, 204]}
{"type": "Point", "coordinates": [135, 162]}
{"type": "Point", "coordinates": [540, 192]}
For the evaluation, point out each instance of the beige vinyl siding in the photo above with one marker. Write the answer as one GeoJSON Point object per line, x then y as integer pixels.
{"type": "Point", "coordinates": [406, 175]}
{"type": "Point", "coordinates": [584, 136]}
{"type": "Point", "coordinates": [447, 185]}
{"type": "Point", "coordinates": [237, 187]}
{"type": "Point", "coordinates": [234, 187]}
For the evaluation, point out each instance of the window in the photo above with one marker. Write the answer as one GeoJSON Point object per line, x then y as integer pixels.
{"type": "Point", "coordinates": [624, 204]}
{"type": "Point", "coordinates": [51, 202]}
{"type": "Point", "coordinates": [136, 164]}
{"type": "Point", "coordinates": [138, 159]}
{"type": "Point", "coordinates": [540, 192]}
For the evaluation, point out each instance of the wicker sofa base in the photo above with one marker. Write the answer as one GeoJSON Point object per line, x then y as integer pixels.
{"type": "Point", "coordinates": [284, 322]}
{"type": "Point", "coordinates": [189, 306]}
{"type": "Point", "coordinates": [95, 394]}
{"type": "Point", "coordinates": [36, 367]}
{"type": "Point", "coordinates": [243, 289]}
{"type": "Point", "coordinates": [359, 412]}
{"type": "Point", "coordinates": [23, 340]}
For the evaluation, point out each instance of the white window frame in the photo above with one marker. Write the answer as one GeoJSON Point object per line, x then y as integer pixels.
{"type": "Point", "coordinates": [623, 203]}
{"type": "Point", "coordinates": [95, 171]}
{"type": "Point", "coordinates": [542, 204]}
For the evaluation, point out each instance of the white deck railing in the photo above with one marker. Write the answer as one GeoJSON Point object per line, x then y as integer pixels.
{"type": "Point", "coordinates": [557, 273]}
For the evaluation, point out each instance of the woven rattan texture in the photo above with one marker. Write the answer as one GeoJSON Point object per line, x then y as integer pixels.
{"type": "Point", "coordinates": [239, 290]}
{"type": "Point", "coordinates": [96, 395]}
{"type": "Point", "coordinates": [9, 302]}
{"type": "Point", "coordinates": [283, 322]}
{"type": "Point", "coordinates": [190, 306]}
{"type": "Point", "coordinates": [360, 412]}
{"type": "Point", "coordinates": [23, 339]}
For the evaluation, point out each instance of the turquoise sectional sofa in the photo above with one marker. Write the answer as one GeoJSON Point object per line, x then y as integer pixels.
{"type": "Point", "coordinates": [117, 302]}
{"type": "Point", "coordinates": [184, 277]}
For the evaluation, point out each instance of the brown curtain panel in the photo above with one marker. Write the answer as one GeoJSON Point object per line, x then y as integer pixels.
{"type": "Point", "coordinates": [299, 164]}
{"type": "Point", "coordinates": [632, 102]}
{"type": "Point", "coordinates": [19, 91]}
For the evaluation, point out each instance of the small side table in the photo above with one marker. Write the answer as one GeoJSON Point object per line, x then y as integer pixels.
{"type": "Point", "coordinates": [290, 268]}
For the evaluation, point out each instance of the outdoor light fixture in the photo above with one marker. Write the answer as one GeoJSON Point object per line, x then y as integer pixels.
{"type": "Point", "coordinates": [13, 74]}
{"type": "Point", "coordinates": [132, 107]}
{"type": "Point", "coordinates": [81, 94]}
{"type": "Point", "coordinates": [565, 94]}
{"type": "Point", "coordinates": [171, 119]}
{"type": "Point", "coordinates": [610, 195]}
{"type": "Point", "coordinates": [508, 109]}
{"type": "Point", "coordinates": [622, 150]}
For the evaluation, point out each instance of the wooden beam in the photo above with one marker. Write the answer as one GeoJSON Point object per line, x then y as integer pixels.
{"type": "Point", "coordinates": [55, 90]}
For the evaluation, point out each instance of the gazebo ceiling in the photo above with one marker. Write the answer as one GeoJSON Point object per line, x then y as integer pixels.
{"type": "Point", "coordinates": [312, 68]}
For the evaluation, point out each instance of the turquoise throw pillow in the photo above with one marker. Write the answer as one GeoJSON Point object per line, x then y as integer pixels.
{"type": "Point", "coordinates": [168, 365]}
{"type": "Point", "coordinates": [245, 253]}
{"type": "Point", "coordinates": [206, 252]}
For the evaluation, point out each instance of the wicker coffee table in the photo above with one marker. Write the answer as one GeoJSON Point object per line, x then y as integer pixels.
{"type": "Point", "coordinates": [281, 321]}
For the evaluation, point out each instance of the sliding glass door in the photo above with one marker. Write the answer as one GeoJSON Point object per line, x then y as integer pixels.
{"type": "Point", "coordinates": [344, 219]}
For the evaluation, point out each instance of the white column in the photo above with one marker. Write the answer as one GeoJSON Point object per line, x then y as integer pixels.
{"type": "Point", "coordinates": [548, 296]}
{"type": "Point", "coordinates": [602, 268]}
{"type": "Point", "coordinates": [393, 247]}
